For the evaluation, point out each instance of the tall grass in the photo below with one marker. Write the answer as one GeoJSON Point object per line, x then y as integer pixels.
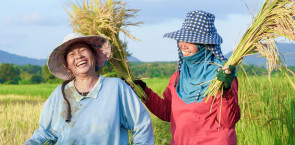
{"type": "Point", "coordinates": [42, 91]}
{"type": "Point", "coordinates": [261, 103]}
{"type": "Point", "coordinates": [265, 112]}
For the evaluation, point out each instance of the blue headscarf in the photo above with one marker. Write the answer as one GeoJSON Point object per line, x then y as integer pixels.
{"type": "Point", "coordinates": [195, 71]}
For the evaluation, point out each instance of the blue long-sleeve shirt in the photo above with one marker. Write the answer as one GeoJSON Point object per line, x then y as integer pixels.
{"type": "Point", "coordinates": [103, 117]}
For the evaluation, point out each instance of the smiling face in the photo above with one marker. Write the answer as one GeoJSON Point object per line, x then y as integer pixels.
{"type": "Point", "coordinates": [187, 49]}
{"type": "Point", "coordinates": [80, 59]}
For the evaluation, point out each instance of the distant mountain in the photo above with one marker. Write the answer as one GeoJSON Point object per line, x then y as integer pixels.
{"type": "Point", "coordinates": [6, 57]}
{"type": "Point", "coordinates": [133, 59]}
{"type": "Point", "coordinates": [286, 49]}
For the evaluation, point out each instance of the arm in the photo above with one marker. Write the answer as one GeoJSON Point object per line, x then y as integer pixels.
{"type": "Point", "coordinates": [44, 134]}
{"type": "Point", "coordinates": [158, 106]}
{"type": "Point", "coordinates": [230, 110]}
{"type": "Point", "coordinates": [134, 116]}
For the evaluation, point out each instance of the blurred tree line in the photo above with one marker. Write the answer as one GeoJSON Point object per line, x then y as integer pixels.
{"type": "Point", "coordinates": [33, 74]}
{"type": "Point", "coordinates": [144, 69]}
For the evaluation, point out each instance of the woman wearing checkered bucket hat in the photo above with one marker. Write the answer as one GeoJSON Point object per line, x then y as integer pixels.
{"type": "Point", "coordinates": [89, 108]}
{"type": "Point", "coordinates": [192, 120]}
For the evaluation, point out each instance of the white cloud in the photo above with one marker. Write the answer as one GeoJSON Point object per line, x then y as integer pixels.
{"type": "Point", "coordinates": [161, 10]}
{"type": "Point", "coordinates": [35, 22]}
{"type": "Point", "coordinates": [32, 18]}
{"type": "Point", "coordinates": [9, 19]}
{"type": "Point", "coordinates": [156, 48]}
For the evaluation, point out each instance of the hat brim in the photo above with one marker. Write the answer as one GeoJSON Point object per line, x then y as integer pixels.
{"type": "Point", "coordinates": [56, 62]}
{"type": "Point", "coordinates": [194, 37]}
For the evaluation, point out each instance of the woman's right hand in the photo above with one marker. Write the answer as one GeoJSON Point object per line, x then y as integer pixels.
{"type": "Point", "coordinates": [226, 75]}
{"type": "Point", "coordinates": [136, 81]}
{"type": "Point", "coordinates": [139, 82]}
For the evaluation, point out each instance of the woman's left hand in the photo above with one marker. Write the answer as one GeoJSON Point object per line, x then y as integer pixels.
{"type": "Point", "coordinates": [226, 75]}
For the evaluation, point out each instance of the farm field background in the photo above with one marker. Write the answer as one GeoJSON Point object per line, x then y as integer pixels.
{"type": "Point", "coordinates": [265, 111]}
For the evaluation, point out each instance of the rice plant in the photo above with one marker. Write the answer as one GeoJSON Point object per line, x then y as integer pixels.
{"type": "Point", "coordinates": [107, 19]}
{"type": "Point", "coordinates": [287, 118]}
{"type": "Point", "coordinates": [275, 19]}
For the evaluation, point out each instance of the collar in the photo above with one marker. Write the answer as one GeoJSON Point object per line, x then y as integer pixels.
{"type": "Point", "coordinates": [70, 90]}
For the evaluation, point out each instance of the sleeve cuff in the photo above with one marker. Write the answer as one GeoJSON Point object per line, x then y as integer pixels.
{"type": "Point", "coordinates": [147, 91]}
{"type": "Point", "coordinates": [227, 94]}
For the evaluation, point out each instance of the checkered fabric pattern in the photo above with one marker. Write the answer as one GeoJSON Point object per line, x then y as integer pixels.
{"type": "Point", "coordinates": [216, 50]}
{"type": "Point", "coordinates": [180, 61]}
{"type": "Point", "coordinates": [198, 28]}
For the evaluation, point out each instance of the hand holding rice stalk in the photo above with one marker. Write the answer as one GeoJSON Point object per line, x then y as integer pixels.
{"type": "Point", "coordinates": [275, 19]}
{"type": "Point", "coordinates": [107, 20]}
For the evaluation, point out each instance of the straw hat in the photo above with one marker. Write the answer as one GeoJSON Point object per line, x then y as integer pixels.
{"type": "Point", "coordinates": [56, 62]}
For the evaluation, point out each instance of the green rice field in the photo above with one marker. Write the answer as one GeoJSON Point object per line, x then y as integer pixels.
{"type": "Point", "coordinates": [267, 111]}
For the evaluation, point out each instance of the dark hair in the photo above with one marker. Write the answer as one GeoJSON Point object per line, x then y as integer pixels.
{"type": "Point", "coordinates": [68, 106]}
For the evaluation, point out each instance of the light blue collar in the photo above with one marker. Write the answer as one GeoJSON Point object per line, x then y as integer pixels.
{"type": "Point", "coordinates": [70, 90]}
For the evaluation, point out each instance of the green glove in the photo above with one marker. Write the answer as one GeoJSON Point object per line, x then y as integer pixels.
{"type": "Point", "coordinates": [227, 78]}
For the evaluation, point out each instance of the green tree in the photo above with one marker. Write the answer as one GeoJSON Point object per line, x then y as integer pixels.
{"type": "Point", "coordinates": [32, 69]}
{"type": "Point", "coordinates": [47, 75]}
{"type": "Point", "coordinates": [36, 79]}
{"type": "Point", "coordinates": [9, 74]}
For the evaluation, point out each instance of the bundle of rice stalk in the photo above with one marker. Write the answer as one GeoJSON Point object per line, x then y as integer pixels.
{"type": "Point", "coordinates": [107, 20]}
{"type": "Point", "coordinates": [275, 19]}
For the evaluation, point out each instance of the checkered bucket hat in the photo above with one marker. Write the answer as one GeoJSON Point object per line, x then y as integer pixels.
{"type": "Point", "coordinates": [198, 27]}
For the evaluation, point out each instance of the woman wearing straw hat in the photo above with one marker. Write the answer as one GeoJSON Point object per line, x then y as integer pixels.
{"type": "Point", "coordinates": [192, 120]}
{"type": "Point", "coordinates": [89, 108]}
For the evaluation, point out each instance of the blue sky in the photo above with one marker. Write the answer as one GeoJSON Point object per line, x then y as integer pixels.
{"type": "Point", "coordinates": [33, 28]}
